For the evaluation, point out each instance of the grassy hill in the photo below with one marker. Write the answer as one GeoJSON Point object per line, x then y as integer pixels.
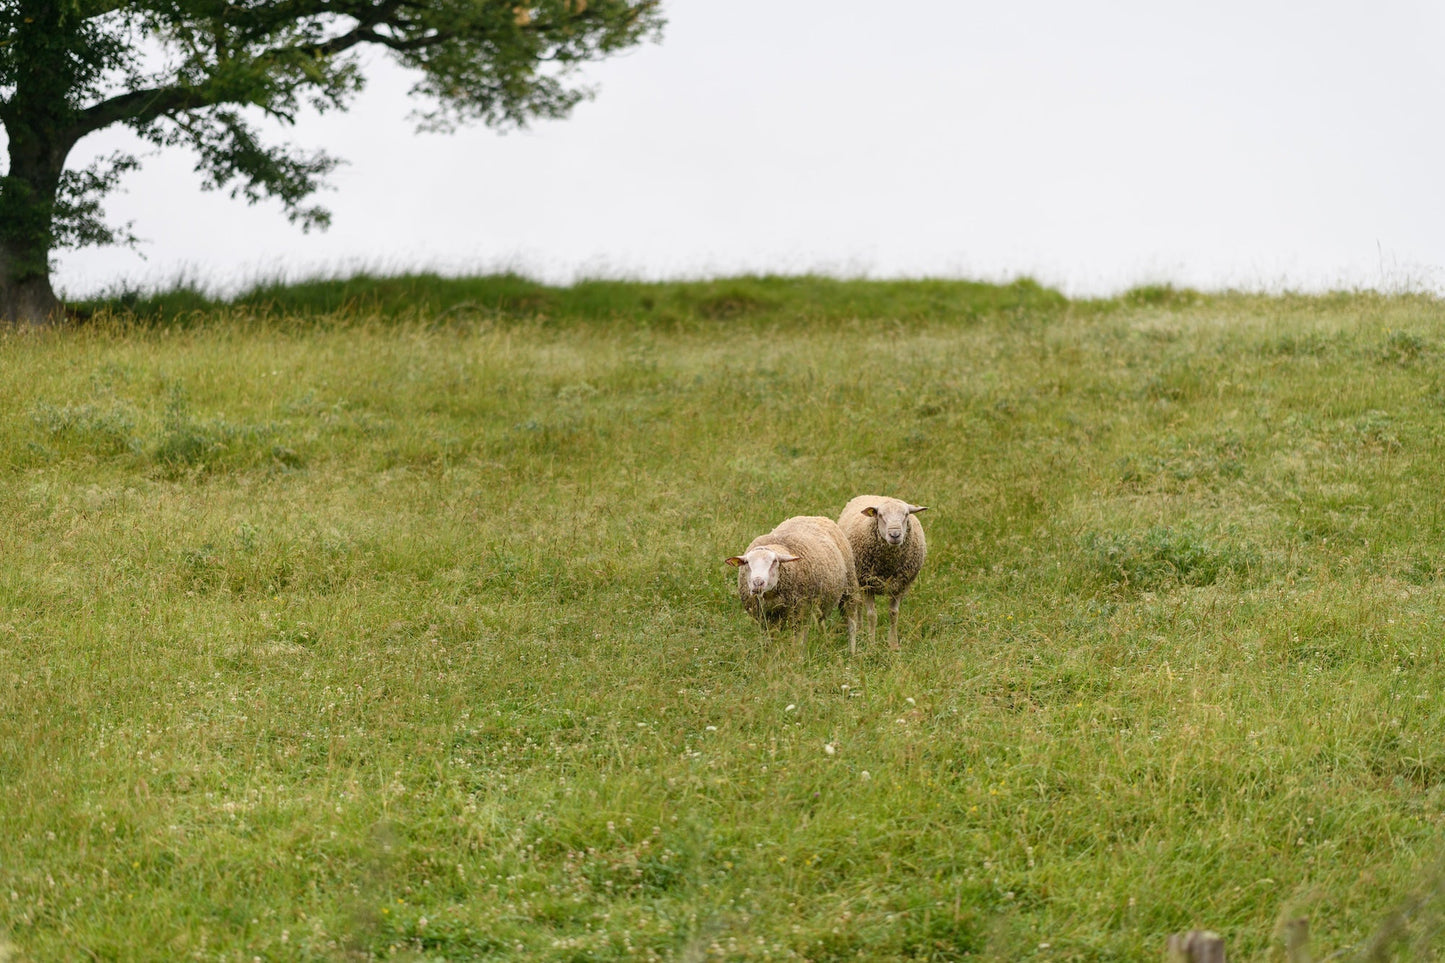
{"type": "Point", "coordinates": [387, 618]}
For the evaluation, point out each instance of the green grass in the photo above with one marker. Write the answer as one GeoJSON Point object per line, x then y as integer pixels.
{"type": "Point", "coordinates": [388, 619]}
{"type": "Point", "coordinates": [739, 300]}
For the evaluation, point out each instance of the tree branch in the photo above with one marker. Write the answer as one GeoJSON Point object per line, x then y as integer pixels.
{"type": "Point", "coordinates": [142, 106]}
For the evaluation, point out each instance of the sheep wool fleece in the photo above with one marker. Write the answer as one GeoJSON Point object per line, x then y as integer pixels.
{"type": "Point", "coordinates": [882, 569]}
{"type": "Point", "coordinates": [824, 575]}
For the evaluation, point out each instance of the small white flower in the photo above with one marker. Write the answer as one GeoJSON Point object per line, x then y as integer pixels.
{"type": "Point", "coordinates": [421, 925]}
{"type": "Point", "coordinates": [828, 748]}
{"type": "Point", "coordinates": [864, 775]}
{"type": "Point", "coordinates": [790, 707]}
{"type": "Point", "coordinates": [910, 701]}
{"type": "Point", "coordinates": [712, 728]}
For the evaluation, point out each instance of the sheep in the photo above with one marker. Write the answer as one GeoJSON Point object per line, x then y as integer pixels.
{"type": "Point", "coordinates": [797, 572]}
{"type": "Point", "coordinates": [888, 551]}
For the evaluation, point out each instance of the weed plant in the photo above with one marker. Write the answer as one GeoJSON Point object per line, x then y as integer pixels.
{"type": "Point", "coordinates": [390, 622]}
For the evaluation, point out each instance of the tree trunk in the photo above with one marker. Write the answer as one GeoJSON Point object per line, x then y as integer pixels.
{"type": "Point", "coordinates": [27, 208]}
{"type": "Point", "coordinates": [40, 126]}
{"type": "Point", "coordinates": [26, 297]}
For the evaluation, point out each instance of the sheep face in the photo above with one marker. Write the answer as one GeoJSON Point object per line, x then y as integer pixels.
{"type": "Point", "coordinates": [891, 520]}
{"type": "Point", "coordinates": [760, 569]}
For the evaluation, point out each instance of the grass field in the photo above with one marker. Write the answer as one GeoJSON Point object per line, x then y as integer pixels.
{"type": "Point", "coordinates": [391, 622]}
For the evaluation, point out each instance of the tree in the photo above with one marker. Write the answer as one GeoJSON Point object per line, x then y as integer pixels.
{"type": "Point", "coordinates": [201, 74]}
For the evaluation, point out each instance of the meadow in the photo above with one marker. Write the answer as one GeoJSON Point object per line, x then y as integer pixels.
{"type": "Point", "coordinates": [388, 619]}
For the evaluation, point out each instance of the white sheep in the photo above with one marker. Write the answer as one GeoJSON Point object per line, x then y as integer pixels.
{"type": "Point", "coordinates": [799, 571]}
{"type": "Point", "coordinates": [888, 552]}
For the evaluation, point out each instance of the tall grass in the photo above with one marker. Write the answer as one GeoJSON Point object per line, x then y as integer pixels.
{"type": "Point", "coordinates": [388, 620]}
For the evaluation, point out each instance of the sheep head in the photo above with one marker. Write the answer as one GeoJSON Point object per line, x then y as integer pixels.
{"type": "Point", "coordinates": [891, 519]}
{"type": "Point", "coordinates": [762, 566]}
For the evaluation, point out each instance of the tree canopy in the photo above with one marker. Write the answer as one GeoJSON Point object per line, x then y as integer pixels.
{"type": "Point", "coordinates": [203, 74]}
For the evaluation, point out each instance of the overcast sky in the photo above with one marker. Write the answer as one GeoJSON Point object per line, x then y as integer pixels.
{"type": "Point", "coordinates": [1092, 146]}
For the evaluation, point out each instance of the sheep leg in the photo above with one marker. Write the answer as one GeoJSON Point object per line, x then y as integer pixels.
{"type": "Point", "coordinates": [803, 624]}
{"type": "Point", "coordinates": [850, 612]}
{"type": "Point", "coordinates": [893, 604]}
{"type": "Point", "coordinates": [870, 605]}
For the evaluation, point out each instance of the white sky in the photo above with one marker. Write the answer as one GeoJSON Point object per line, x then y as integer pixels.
{"type": "Point", "coordinates": [1092, 146]}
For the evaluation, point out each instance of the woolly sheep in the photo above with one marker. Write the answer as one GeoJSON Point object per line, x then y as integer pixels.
{"type": "Point", "coordinates": [888, 552]}
{"type": "Point", "coordinates": [797, 572]}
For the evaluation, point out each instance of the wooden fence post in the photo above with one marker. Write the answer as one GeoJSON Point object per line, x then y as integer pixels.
{"type": "Point", "coordinates": [1196, 946]}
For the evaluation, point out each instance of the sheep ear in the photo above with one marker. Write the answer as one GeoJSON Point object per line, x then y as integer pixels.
{"type": "Point", "coordinates": [871, 512]}
{"type": "Point", "coordinates": [735, 561]}
{"type": "Point", "coordinates": [789, 558]}
{"type": "Point", "coordinates": [915, 509]}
